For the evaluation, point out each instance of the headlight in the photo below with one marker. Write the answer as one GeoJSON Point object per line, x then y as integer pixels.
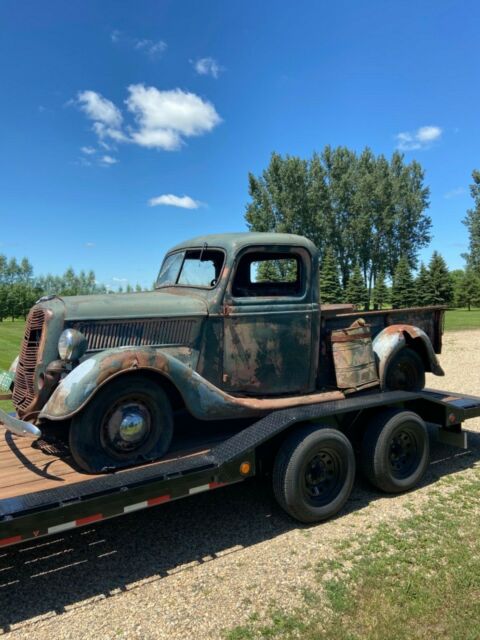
{"type": "Point", "coordinates": [72, 345]}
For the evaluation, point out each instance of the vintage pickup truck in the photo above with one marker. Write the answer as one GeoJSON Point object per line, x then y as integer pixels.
{"type": "Point", "coordinates": [233, 329]}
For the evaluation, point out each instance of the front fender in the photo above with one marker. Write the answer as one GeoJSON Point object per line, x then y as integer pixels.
{"type": "Point", "coordinates": [393, 338]}
{"type": "Point", "coordinates": [76, 389]}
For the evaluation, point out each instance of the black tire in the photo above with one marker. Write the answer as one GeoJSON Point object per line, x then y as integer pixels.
{"type": "Point", "coordinates": [106, 433]}
{"type": "Point", "coordinates": [406, 371]}
{"type": "Point", "coordinates": [395, 451]}
{"type": "Point", "coordinates": [313, 473]}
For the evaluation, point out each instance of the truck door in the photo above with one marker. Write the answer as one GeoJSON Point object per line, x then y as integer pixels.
{"type": "Point", "coordinates": [268, 323]}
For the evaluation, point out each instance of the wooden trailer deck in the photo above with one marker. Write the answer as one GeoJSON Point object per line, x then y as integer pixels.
{"type": "Point", "coordinates": [28, 466]}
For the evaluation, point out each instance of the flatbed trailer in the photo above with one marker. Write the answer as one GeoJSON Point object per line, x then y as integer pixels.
{"type": "Point", "coordinates": [42, 493]}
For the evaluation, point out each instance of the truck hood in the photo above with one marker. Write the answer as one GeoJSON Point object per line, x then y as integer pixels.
{"type": "Point", "coordinates": [151, 304]}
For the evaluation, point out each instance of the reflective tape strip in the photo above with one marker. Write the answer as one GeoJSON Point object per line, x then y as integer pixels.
{"type": "Point", "coordinates": [135, 507]}
{"type": "Point", "coordinates": [159, 500]}
{"type": "Point", "coordinates": [215, 485]}
{"type": "Point", "coordinates": [62, 527]}
{"type": "Point", "coordinates": [151, 502]}
{"type": "Point", "coordinates": [11, 540]}
{"type": "Point", "coordinates": [199, 489]}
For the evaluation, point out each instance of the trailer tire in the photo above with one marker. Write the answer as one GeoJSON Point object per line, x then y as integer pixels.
{"type": "Point", "coordinates": [406, 371]}
{"type": "Point", "coordinates": [313, 473]}
{"type": "Point", "coordinates": [128, 421]}
{"type": "Point", "coordinates": [395, 451]}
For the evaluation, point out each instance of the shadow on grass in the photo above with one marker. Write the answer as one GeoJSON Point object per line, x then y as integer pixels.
{"type": "Point", "coordinates": [44, 578]}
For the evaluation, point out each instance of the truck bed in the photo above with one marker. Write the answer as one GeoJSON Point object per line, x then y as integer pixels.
{"type": "Point", "coordinates": [429, 319]}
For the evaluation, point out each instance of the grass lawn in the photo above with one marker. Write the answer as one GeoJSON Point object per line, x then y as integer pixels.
{"type": "Point", "coordinates": [11, 334]}
{"type": "Point", "coordinates": [460, 319]}
{"type": "Point", "coordinates": [418, 578]}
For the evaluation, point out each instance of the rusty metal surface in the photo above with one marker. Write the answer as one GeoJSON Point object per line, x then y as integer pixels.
{"type": "Point", "coordinates": [393, 338]}
{"type": "Point", "coordinates": [149, 332]}
{"type": "Point", "coordinates": [24, 389]}
{"type": "Point", "coordinates": [203, 400]}
{"type": "Point", "coordinates": [353, 357]}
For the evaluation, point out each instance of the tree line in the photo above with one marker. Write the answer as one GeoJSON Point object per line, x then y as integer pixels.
{"type": "Point", "coordinates": [367, 215]}
{"type": "Point", "coordinates": [20, 289]}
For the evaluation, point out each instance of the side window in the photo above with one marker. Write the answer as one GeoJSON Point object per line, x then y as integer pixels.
{"type": "Point", "coordinates": [263, 274]}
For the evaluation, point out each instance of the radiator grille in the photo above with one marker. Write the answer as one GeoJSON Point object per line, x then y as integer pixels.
{"type": "Point", "coordinates": [136, 333]}
{"type": "Point", "coordinates": [24, 389]}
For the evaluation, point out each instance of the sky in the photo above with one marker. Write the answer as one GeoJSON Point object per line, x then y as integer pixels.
{"type": "Point", "coordinates": [126, 127]}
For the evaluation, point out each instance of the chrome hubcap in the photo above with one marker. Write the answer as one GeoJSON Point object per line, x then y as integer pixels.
{"type": "Point", "coordinates": [127, 426]}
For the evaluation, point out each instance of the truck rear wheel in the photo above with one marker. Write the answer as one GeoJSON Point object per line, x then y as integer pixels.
{"type": "Point", "coordinates": [313, 473]}
{"type": "Point", "coordinates": [130, 420]}
{"type": "Point", "coordinates": [395, 450]}
{"type": "Point", "coordinates": [405, 372]}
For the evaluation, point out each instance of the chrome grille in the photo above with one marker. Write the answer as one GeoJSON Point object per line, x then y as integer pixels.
{"type": "Point", "coordinates": [24, 388]}
{"type": "Point", "coordinates": [136, 333]}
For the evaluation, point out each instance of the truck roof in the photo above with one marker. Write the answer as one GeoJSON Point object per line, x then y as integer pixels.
{"type": "Point", "coordinates": [235, 241]}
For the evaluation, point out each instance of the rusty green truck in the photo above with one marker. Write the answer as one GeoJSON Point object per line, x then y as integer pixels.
{"type": "Point", "coordinates": [233, 329]}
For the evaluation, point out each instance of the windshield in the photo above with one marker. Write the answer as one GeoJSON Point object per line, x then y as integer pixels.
{"type": "Point", "coordinates": [191, 268]}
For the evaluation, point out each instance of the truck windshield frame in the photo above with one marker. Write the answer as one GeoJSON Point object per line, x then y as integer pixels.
{"type": "Point", "coordinates": [198, 268]}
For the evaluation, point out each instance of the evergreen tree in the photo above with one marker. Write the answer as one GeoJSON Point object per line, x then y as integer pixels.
{"type": "Point", "coordinates": [468, 294]}
{"type": "Point", "coordinates": [440, 284]}
{"type": "Point", "coordinates": [356, 291]}
{"type": "Point", "coordinates": [368, 209]}
{"type": "Point", "coordinates": [381, 294]}
{"type": "Point", "coordinates": [472, 222]}
{"type": "Point", "coordinates": [423, 287]}
{"type": "Point", "coordinates": [330, 289]}
{"type": "Point", "coordinates": [403, 287]}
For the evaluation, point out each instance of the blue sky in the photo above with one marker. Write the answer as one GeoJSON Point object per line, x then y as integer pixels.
{"type": "Point", "coordinates": [108, 106]}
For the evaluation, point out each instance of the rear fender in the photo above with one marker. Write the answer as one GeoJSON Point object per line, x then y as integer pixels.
{"type": "Point", "coordinates": [393, 338]}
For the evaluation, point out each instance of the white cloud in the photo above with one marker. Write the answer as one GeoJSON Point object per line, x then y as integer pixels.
{"type": "Point", "coordinates": [162, 119]}
{"type": "Point", "coordinates": [422, 138]}
{"type": "Point", "coordinates": [89, 245]}
{"type": "Point", "coordinates": [207, 67]}
{"type": "Point", "coordinates": [119, 279]}
{"type": "Point", "coordinates": [153, 48]}
{"type": "Point", "coordinates": [455, 193]}
{"type": "Point", "coordinates": [169, 200]}
{"type": "Point", "coordinates": [165, 117]}
{"type": "Point", "coordinates": [99, 109]}
{"type": "Point", "coordinates": [108, 160]}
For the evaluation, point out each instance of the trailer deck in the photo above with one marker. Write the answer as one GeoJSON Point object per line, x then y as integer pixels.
{"type": "Point", "coordinates": [42, 492]}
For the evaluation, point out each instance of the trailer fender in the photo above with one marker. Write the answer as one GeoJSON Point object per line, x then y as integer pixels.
{"type": "Point", "coordinates": [393, 338]}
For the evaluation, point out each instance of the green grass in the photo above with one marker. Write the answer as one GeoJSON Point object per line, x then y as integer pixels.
{"type": "Point", "coordinates": [415, 579]}
{"type": "Point", "coordinates": [11, 334]}
{"type": "Point", "coordinates": [461, 319]}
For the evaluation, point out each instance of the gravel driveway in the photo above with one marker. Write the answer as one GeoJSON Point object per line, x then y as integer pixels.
{"type": "Point", "coordinates": [192, 568]}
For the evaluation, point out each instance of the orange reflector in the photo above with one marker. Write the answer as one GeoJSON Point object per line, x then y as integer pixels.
{"type": "Point", "coordinates": [245, 468]}
{"type": "Point", "coordinates": [452, 418]}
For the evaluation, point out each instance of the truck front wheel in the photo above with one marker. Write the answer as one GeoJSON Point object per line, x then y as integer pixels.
{"type": "Point", "coordinates": [395, 450]}
{"type": "Point", "coordinates": [313, 473]}
{"type": "Point", "coordinates": [130, 420]}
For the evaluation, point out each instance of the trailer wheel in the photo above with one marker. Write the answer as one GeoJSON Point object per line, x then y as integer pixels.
{"type": "Point", "coordinates": [395, 450]}
{"type": "Point", "coordinates": [313, 473]}
{"type": "Point", "coordinates": [405, 372]}
{"type": "Point", "coordinates": [128, 421]}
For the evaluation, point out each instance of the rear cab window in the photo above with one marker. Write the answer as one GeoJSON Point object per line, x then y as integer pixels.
{"type": "Point", "coordinates": [267, 274]}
